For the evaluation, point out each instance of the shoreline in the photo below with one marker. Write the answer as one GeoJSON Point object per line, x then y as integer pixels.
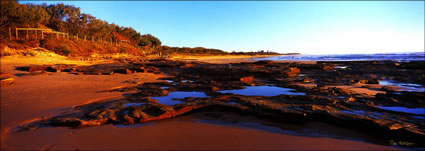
{"type": "Point", "coordinates": [58, 92]}
{"type": "Point", "coordinates": [225, 59]}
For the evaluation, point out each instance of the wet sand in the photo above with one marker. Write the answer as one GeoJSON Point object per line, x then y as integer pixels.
{"type": "Point", "coordinates": [175, 135]}
{"type": "Point", "coordinates": [42, 95]}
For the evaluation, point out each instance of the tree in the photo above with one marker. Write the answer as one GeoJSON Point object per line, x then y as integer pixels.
{"type": "Point", "coordinates": [69, 19]}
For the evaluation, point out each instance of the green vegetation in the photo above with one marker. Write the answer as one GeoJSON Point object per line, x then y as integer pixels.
{"type": "Point", "coordinates": [209, 51]}
{"type": "Point", "coordinates": [109, 38]}
{"type": "Point", "coordinates": [68, 19]}
{"type": "Point", "coordinates": [260, 52]}
{"type": "Point", "coordinates": [196, 50]}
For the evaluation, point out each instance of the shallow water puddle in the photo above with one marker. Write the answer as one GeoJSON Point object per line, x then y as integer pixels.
{"type": "Point", "coordinates": [411, 87]}
{"type": "Point", "coordinates": [403, 109]}
{"type": "Point", "coordinates": [419, 117]}
{"type": "Point", "coordinates": [341, 67]}
{"type": "Point", "coordinates": [133, 104]}
{"type": "Point", "coordinates": [169, 100]}
{"type": "Point", "coordinates": [171, 82]}
{"type": "Point", "coordinates": [232, 103]}
{"type": "Point", "coordinates": [185, 81]}
{"type": "Point", "coordinates": [364, 113]}
{"type": "Point", "coordinates": [263, 91]}
{"type": "Point", "coordinates": [355, 112]}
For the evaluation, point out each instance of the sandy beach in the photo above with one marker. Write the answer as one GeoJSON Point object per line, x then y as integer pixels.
{"type": "Point", "coordinates": [43, 95]}
{"type": "Point", "coordinates": [225, 59]}
{"type": "Point", "coordinates": [212, 75]}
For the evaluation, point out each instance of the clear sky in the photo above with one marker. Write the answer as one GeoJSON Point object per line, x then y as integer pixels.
{"type": "Point", "coordinates": [326, 27]}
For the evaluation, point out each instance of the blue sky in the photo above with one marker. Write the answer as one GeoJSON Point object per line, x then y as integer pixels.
{"type": "Point", "coordinates": [325, 27]}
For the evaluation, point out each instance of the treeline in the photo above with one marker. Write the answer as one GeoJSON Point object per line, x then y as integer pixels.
{"type": "Point", "coordinates": [69, 19]}
{"type": "Point", "coordinates": [260, 52]}
{"type": "Point", "coordinates": [188, 50]}
{"type": "Point", "coordinates": [210, 51]}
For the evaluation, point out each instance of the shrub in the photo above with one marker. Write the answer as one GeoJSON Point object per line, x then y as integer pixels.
{"type": "Point", "coordinates": [57, 46]}
{"type": "Point", "coordinates": [63, 50]}
{"type": "Point", "coordinates": [122, 50]}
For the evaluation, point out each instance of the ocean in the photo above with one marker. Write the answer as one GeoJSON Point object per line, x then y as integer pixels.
{"type": "Point", "coordinates": [401, 57]}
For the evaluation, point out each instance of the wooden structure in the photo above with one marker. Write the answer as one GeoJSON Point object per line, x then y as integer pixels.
{"type": "Point", "coordinates": [10, 33]}
{"type": "Point", "coordinates": [43, 31]}
{"type": "Point", "coordinates": [31, 29]}
{"type": "Point", "coordinates": [64, 35]}
{"type": "Point", "coordinates": [57, 34]}
{"type": "Point", "coordinates": [125, 41]}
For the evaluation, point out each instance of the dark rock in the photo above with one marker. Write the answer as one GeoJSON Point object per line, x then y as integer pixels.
{"type": "Point", "coordinates": [37, 68]}
{"type": "Point", "coordinates": [325, 103]}
{"type": "Point", "coordinates": [294, 71]}
{"type": "Point", "coordinates": [71, 122]}
{"type": "Point", "coordinates": [328, 66]}
{"type": "Point", "coordinates": [390, 89]}
{"type": "Point", "coordinates": [247, 80]}
{"type": "Point", "coordinates": [6, 79]}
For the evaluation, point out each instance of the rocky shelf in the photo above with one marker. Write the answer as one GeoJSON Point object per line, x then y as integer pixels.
{"type": "Point", "coordinates": [346, 93]}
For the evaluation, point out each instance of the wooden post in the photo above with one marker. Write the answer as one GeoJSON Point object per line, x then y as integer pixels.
{"type": "Point", "coordinates": [42, 34]}
{"type": "Point", "coordinates": [27, 35]}
{"type": "Point", "coordinates": [10, 33]}
{"type": "Point", "coordinates": [92, 40]}
{"type": "Point", "coordinates": [84, 37]}
{"type": "Point", "coordinates": [16, 32]}
{"type": "Point", "coordinates": [36, 34]}
{"type": "Point", "coordinates": [57, 35]}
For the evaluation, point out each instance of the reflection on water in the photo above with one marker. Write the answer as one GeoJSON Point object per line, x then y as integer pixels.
{"type": "Point", "coordinates": [411, 87]}
{"type": "Point", "coordinates": [169, 100]}
{"type": "Point", "coordinates": [375, 115]}
{"type": "Point", "coordinates": [419, 117]}
{"type": "Point", "coordinates": [403, 109]}
{"type": "Point", "coordinates": [352, 57]}
{"type": "Point", "coordinates": [233, 103]}
{"type": "Point", "coordinates": [341, 67]}
{"type": "Point", "coordinates": [355, 112]}
{"type": "Point", "coordinates": [187, 81]}
{"type": "Point", "coordinates": [133, 104]}
{"type": "Point", "coordinates": [263, 91]}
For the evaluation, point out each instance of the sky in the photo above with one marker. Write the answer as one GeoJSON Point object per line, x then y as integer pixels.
{"type": "Point", "coordinates": [307, 27]}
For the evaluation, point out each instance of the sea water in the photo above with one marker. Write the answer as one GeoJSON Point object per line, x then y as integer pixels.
{"type": "Point", "coordinates": [401, 57]}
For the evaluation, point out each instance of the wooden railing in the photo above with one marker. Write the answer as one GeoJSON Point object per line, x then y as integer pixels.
{"type": "Point", "coordinates": [64, 35]}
